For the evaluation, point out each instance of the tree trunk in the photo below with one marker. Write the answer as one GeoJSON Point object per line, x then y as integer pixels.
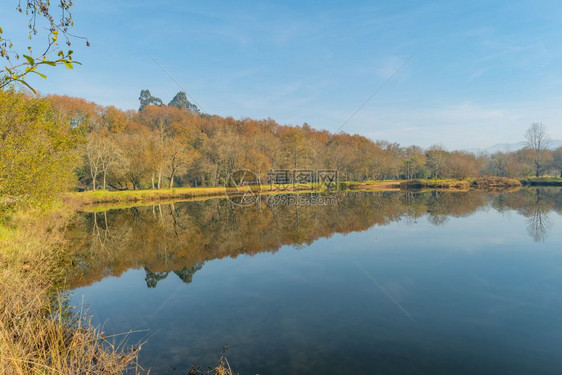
{"type": "Point", "coordinates": [537, 171]}
{"type": "Point", "coordinates": [159, 178]}
{"type": "Point", "coordinates": [172, 180]}
{"type": "Point", "coordinates": [104, 180]}
{"type": "Point", "coordinates": [216, 177]}
{"type": "Point", "coordinates": [152, 180]}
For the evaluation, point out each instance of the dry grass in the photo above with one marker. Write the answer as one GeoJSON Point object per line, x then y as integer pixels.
{"type": "Point", "coordinates": [89, 198]}
{"type": "Point", "coordinates": [39, 333]}
{"type": "Point", "coordinates": [481, 183]}
{"type": "Point", "coordinates": [82, 200]}
{"type": "Point", "coordinates": [222, 368]}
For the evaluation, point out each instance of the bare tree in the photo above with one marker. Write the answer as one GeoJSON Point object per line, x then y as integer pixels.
{"type": "Point", "coordinates": [102, 155]}
{"type": "Point", "coordinates": [94, 156]}
{"type": "Point", "coordinates": [111, 158]}
{"type": "Point", "coordinates": [538, 142]}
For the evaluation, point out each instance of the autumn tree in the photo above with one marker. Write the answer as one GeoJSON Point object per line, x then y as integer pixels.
{"type": "Point", "coordinates": [178, 157]}
{"type": "Point", "coordinates": [37, 155]}
{"type": "Point", "coordinates": [436, 158]}
{"type": "Point", "coordinates": [557, 160]}
{"type": "Point", "coordinates": [390, 157]}
{"type": "Point", "coordinates": [413, 163]}
{"type": "Point", "coordinates": [82, 115]}
{"type": "Point", "coordinates": [461, 165]}
{"type": "Point", "coordinates": [298, 153]}
{"type": "Point", "coordinates": [135, 148]}
{"type": "Point", "coordinates": [115, 120]}
{"type": "Point", "coordinates": [157, 120]}
{"type": "Point", "coordinates": [225, 151]}
{"type": "Point", "coordinates": [339, 153]}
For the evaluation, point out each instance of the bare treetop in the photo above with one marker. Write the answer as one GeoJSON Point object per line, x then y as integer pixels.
{"type": "Point", "coordinates": [537, 138]}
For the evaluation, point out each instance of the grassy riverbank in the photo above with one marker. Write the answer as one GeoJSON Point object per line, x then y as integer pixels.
{"type": "Point", "coordinates": [445, 184]}
{"type": "Point", "coordinates": [372, 185]}
{"type": "Point", "coordinates": [484, 183]}
{"type": "Point", "coordinates": [126, 198]}
{"type": "Point", "coordinates": [89, 198]}
{"type": "Point", "coordinates": [494, 183]}
{"type": "Point", "coordinates": [39, 332]}
{"type": "Point", "coordinates": [80, 200]}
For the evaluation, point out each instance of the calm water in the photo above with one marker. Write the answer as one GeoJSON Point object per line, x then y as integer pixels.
{"type": "Point", "coordinates": [374, 283]}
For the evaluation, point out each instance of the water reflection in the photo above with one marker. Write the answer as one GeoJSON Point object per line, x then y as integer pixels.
{"type": "Point", "coordinates": [537, 212]}
{"type": "Point", "coordinates": [185, 275]}
{"type": "Point", "coordinates": [179, 238]}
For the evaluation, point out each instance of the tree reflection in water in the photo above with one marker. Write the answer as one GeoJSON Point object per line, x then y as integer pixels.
{"type": "Point", "coordinates": [537, 211]}
{"type": "Point", "coordinates": [180, 237]}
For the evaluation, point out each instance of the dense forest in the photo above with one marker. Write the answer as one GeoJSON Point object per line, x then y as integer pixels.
{"type": "Point", "coordinates": [162, 146]}
{"type": "Point", "coordinates": [175, 144]}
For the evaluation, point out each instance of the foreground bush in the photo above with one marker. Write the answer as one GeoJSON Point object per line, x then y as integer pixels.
{"type": "Point", "coordinates": [37, 151]}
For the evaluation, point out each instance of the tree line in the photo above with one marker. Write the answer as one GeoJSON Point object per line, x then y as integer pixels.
{"type": "Point", "coordinates": [163, 146]}
{"type": "Point", "coordinates": [177, 145]}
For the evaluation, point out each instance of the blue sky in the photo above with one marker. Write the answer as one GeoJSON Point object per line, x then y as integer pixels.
{"type": "Point", "coordinates": [481, 71]}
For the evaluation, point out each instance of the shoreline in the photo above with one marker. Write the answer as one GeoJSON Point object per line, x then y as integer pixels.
{"type": "Point", "coordinates": [542, 181]}
{"type": "Point", "coordinates": [92, 199]}
{"type": "Point", "coordinates": [103, 199]}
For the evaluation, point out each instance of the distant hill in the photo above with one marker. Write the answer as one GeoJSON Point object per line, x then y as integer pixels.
{"type": "Point", "coordinates": [505, 147]}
